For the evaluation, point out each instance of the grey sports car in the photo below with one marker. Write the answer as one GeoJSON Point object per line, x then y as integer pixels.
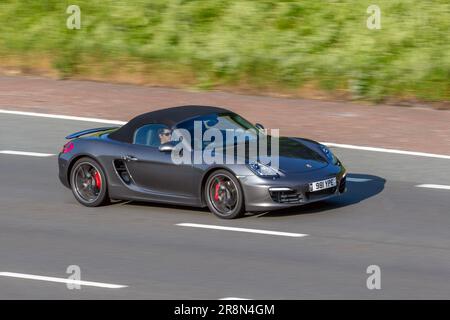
{"type": "Point", "coordinates": [136, 162]}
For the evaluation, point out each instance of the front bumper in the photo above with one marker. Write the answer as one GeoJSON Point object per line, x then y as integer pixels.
{"type": "Point", "coordinates": [262, 194]}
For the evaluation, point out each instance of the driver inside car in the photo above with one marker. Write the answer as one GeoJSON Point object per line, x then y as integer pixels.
{"type": "Point", "coordinates": [165, 135]}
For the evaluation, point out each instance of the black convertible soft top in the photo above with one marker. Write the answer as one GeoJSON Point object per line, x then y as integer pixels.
{"type": "Point", "coordinates": [169, 117]}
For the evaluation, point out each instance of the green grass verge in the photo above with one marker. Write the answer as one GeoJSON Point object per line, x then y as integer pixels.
{"type": "Point", "coordinates": [267, 43]}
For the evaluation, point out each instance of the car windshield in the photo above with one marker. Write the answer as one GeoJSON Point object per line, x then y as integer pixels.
{"type": "Point", "coordinates": [222, 122]}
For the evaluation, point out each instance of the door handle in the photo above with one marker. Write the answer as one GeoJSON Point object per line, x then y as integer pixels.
{"type": "Point", "coordinates": [129, 158]}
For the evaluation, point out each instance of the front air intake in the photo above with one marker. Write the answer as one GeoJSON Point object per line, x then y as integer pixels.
{"type": "Point", "coordinates": [286, 196]}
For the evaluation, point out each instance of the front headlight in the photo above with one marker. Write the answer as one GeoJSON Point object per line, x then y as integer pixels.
{"type": "Point", "coordinates": [330, 156]}
{"type": "Point", "coordinates": [262, 170]}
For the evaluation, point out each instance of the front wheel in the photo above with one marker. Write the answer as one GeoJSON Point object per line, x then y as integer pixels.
{"type": "Point", "coordinates": [88, 183]}
{"type": "Point", "coordinates": [224, 195]}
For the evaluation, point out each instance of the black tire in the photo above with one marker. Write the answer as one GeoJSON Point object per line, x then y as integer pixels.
{"type": "Point", "coordinates": [224, 195]}
{"type": "Point", "coordinates": [91, 195]}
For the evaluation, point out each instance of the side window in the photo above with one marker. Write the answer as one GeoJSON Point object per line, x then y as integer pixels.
{"type": "Point", "coordinates": [148, 135]}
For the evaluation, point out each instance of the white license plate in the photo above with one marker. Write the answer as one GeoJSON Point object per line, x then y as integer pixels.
{"type": "Point", "coordinates": [321, 185]}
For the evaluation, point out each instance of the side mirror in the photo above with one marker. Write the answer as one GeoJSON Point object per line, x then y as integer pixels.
{"type": "Point", "coordinates": [259, 126]}
{"type": "Point", "coordinates": [167, 147]}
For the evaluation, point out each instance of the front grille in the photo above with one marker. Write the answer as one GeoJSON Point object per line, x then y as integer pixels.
{"type": "Point", "coordinates": [303, 195]}
{"type": "Point", "coordinates": [321, 193]}
{"type": "Point", "coordinates": [286, 196]}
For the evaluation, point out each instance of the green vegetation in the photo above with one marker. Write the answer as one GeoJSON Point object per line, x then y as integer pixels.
{"type": "Point", "coordinates": [262, 43]}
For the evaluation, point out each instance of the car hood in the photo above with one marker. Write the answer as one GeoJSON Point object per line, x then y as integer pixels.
{"type": "Point", "coordinates": [296, 157]}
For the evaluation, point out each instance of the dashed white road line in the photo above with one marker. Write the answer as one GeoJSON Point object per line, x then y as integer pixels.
{"type": "Point", "coordinates": [269, 232]}
{"type": "Point", "coordinates": [24, 153]}
{"type": "Point", "coordinates": [357, 179]}
{"type": "Point", "coordinates": [61, 280]}
{"type": "Point", "coordinates": [433, 186]}
{"type": "Point", "coordinates": [409, 153]}
{"type": "Point", "coordinates": [59, 116]}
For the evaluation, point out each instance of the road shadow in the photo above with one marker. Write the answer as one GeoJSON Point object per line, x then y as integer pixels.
{"type": "Point", "coordinates": [363, 186]}
{"type": "Point", "coordinates": [136, 203]}
{"type": "Point", "coordinates": [366, 187]}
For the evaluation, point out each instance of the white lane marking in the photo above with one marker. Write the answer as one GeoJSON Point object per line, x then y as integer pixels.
{"type": "Point", "coordinates": [233, 298]}
{"type": "Point", "coordinates": [24, 153]}
{"type": "Point", "coordinates": [409, 153]}
{"type": "Point", "coordinates": [330, 144]}
{"type": "Point", "coordinates": [275, 233]}
{"type": "Point", "coordinates": [357, 179]}
{"type": "Point", "coordinates": [58, 116]}
{"type": "Point", "coordinates": [61, 280]}
{"type": "Point", "coordinates": [433, 186]}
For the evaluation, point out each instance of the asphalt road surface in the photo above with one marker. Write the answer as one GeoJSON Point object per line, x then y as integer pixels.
{"type": "Point", "coordinates": [383, 220]}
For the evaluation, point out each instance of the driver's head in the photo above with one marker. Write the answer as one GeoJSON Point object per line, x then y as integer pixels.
{"type": "Point", "coordinates": [165, 135]}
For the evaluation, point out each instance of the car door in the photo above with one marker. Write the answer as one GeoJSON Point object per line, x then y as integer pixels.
{"type": "Point", "coordinates": [154, 172]}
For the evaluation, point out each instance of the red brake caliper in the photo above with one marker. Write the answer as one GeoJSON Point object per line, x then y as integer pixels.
{"type": "Point", "coordinates": [98, 180]}
{"type": "Point", "coordinates": [216, 191]}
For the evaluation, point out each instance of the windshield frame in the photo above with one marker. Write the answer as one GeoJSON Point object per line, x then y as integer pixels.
{"type": "Point", "coordinates": [230, 114]}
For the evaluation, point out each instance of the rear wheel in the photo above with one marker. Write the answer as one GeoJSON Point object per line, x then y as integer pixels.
{"type": "Point", "coordinates": [88, 183]}
{"type": "Point", "coordinates": [224, 195]}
